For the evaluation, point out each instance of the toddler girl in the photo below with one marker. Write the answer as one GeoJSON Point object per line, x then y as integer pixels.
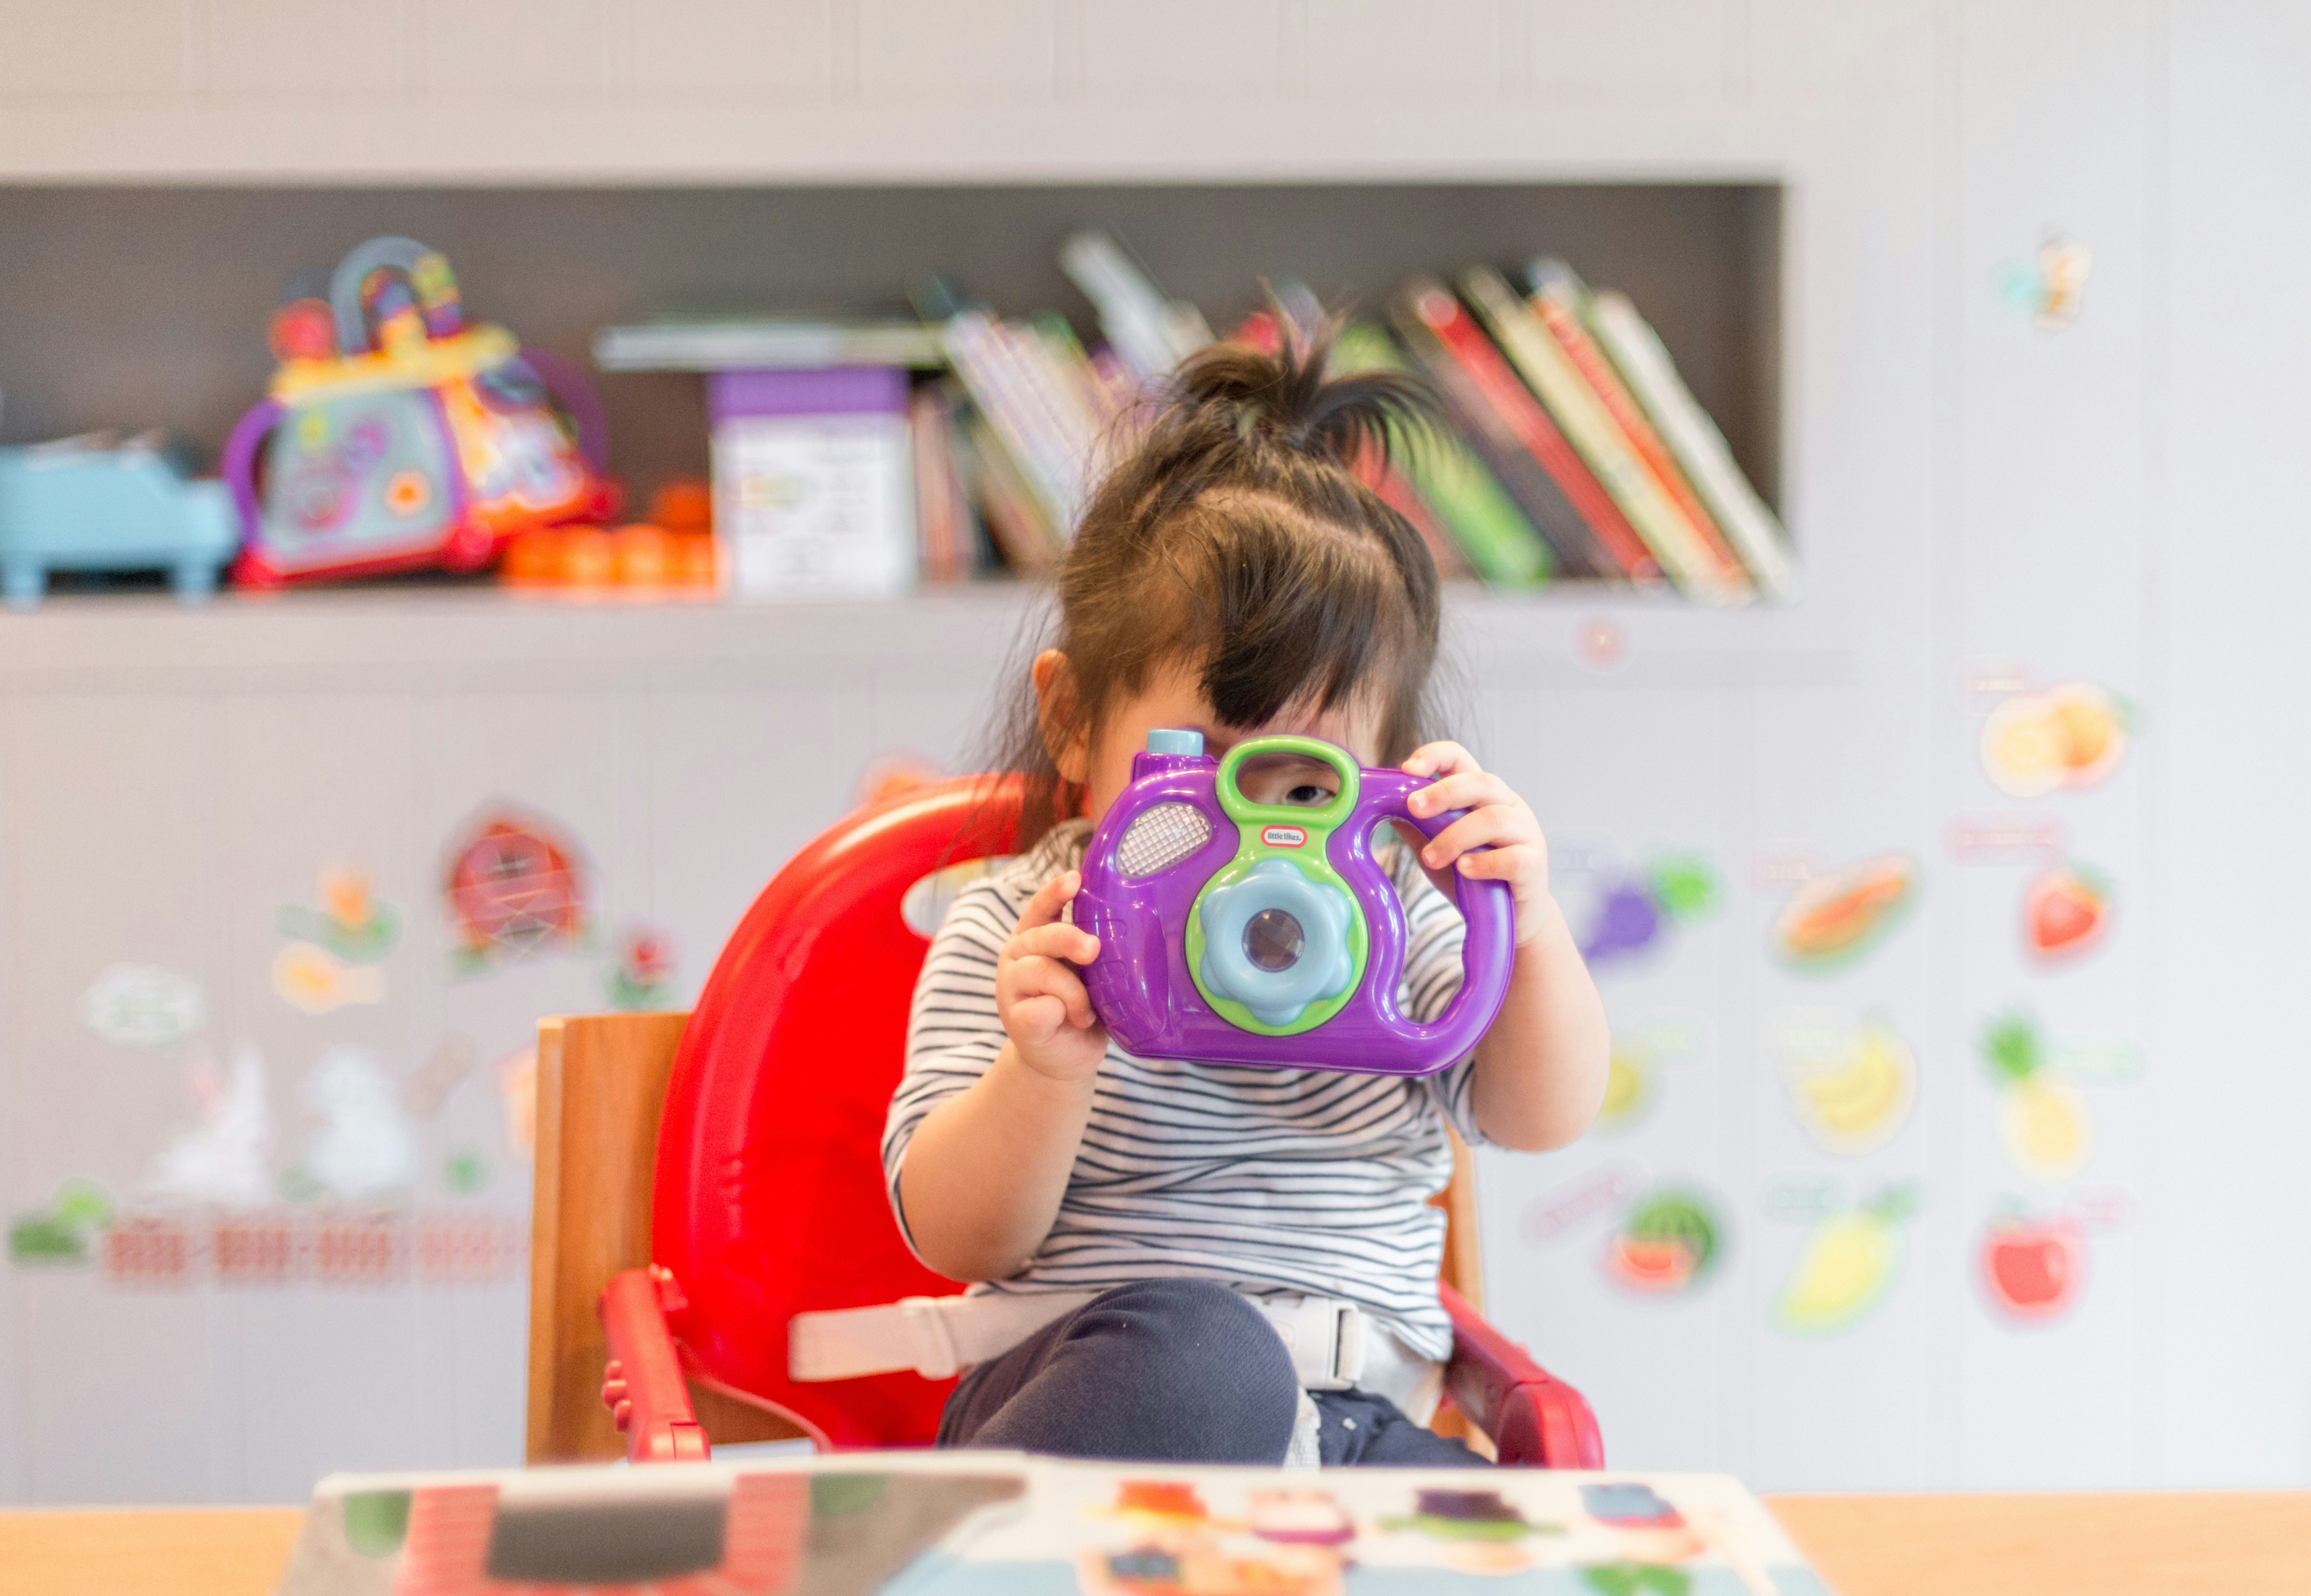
{"type": "Point", "coordinates": [1155, 1228]}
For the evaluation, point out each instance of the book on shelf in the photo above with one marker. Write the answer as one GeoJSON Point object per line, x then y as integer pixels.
{"type": "Point", "coordinates": [1561, 300]}
{"type": "Point", "coordinates": [1568, 447]}
{"type": "Point", "coordinates": [766, 344]}
{"type": "Point", "coordinates": [1699, 448]}
{"type": "Point", "coordinates": [949, 527]}
{"type": "Point", "coordinates": [1483, 526]}
{"type": "Point", "coordinates": [1515, 437]}
{"type": "Point", "coordinates": [1675, 543]}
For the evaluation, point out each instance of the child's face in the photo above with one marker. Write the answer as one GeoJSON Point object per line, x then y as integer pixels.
{"type": "Point", "coordinates": [1174, 698]}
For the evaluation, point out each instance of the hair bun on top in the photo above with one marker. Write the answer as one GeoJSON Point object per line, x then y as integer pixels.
{"type": "Point", "coordinates": [1287, 397]}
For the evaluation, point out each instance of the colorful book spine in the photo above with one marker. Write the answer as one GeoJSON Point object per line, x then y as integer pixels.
{"type": "Point", "coordinates": [941, 514]}
{"type": "Point", "coordinates": [1016, 520]}
{"type": "Point", "coordinates": [1482, 522]}
{"type": "Point", "coordinates": [1507, 414]}
{"type": "Point", "coordinates": [1561, 300]}
{"type": "Point", "coordinates": [1581, 417]}
{"type": "Point", "coordinates": [1573, 551]}
{"type": "Point", "coordinates": [1637, 353]}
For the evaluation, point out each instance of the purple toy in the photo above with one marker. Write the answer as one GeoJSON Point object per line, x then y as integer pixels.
{"type": "Point", "coordinates": [1235, 933]}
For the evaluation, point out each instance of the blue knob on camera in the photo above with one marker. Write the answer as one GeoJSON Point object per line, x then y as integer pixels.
{"type": "Point", "coordinates": [1276, 942]}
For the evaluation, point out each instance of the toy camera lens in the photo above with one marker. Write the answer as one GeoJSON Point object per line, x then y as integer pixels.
{"type": "Point", "coordinates": [1272, 938]}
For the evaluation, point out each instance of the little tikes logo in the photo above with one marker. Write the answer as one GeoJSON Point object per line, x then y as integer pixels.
{"type": "Point", "coordinates": [1283, 836]}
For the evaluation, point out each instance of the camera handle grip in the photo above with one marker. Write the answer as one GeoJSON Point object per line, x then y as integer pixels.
{"type": "Point", "coordinates": [1488, 906]}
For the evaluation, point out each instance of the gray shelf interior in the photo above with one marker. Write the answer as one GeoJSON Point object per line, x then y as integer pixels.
{"type": "Point", "coordinates": [128, 307]}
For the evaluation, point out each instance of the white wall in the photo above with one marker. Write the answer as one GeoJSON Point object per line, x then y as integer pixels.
{"type": "Point", "coordinates": [2116, 501]}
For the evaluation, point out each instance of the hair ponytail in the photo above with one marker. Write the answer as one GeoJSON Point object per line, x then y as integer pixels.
{"type": "Point", "coordinates": [1240, 532]}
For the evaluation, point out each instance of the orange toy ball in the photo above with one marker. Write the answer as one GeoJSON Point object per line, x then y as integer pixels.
{"type": "Point", "coordinates": [683, 505]}
{"type": "Point", "coordinates": [694, 560]}
{"type": "Point", "coordinates": [589, 557]}
{"type": "Point", "coordinates": [534, 559]}
{"type": "Point", "coordinates": [645, 556]}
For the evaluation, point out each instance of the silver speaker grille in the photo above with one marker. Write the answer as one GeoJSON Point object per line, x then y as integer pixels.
{"type": "Point", "coordinates": [1162, 837]}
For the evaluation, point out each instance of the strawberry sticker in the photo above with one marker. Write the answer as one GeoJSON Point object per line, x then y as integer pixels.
{"type": "Point", "coordinates": [2065, 912]}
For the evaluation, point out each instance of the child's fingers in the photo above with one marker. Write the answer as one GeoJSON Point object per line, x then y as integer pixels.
{"type": "Point", "coordinates": [1467, 789]}
{"type": "Point", "coordinates": [1036, 978]}
{"type": "Point", "coordinates": [1439, 759]}
{"type": "Point", "coordinates": [1037, 1019]}
{"type": "Point", "coordinates": [1043, 908]}
{"type": "Point", "coordinates": [1493, 826]}
{"type": "Point", "coordinates": [1499, 864]}
{"type": "Point", "coordinates": [1059, 941]}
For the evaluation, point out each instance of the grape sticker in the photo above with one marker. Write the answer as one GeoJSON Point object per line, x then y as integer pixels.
{"type": "Point", "coordinates": [2043, 1120]}
{"type": "Point", "coordinates": [2068, 738]}
{"type": "Point", "coordinates": [1851, 1086]}
{"type": "Point", "coordinates": [1634, 912]}
{"type": "Point", "coordinates": [1667, 1243]}
{"type": "Point", "coordinates": [1834, 919]}
{"type": "Point", "coordinates": [2032, 1267]}
{"type": "Point", "coordinates": [2066, 913]}
{"type": "Point", "coordinates": [1847, 1266]}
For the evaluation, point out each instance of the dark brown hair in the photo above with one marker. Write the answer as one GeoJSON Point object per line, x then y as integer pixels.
{"type": "Point", "coordinates": [1235, 534]}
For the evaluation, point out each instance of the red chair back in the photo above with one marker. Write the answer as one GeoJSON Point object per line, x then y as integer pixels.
{"type": "Point", "coordinates": [770, 1196]}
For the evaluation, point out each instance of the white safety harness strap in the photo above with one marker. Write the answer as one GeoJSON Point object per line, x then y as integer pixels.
{"type": "Point", "coordinates": [1334, 1345]}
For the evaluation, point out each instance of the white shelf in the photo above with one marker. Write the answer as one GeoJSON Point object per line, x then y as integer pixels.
{"type": "Point", "coordinates": [399, 638]}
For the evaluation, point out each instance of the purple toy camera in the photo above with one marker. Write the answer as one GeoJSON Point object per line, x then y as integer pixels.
{"type": "Point", "coordinates": [1236, 933]}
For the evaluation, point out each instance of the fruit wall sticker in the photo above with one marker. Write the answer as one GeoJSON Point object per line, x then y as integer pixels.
{"type": "Point", "coordinates": [1634, 911]}
{"type": "Point", "coordinates": [2065, 912]}
{"type": "Point", "coordinates": [351, 923]}
{"type": "Point", "coordinates": [1670, 1241]}
{"type": "Point", "coordinates": [515, 884]}
{"type": "Point", "coordinates": [1632, 1075]}
{"type": "Point", "coordinates": [2071, 737]}
{"type": "Point", "coordinates": [1833, 919]}
{"type": "Point", "coordinates": [1851, 1084]}
{"type": "Point", "coordinates": [643, 976]}
{"type": "Point", "coordinates": [141, 1005]}
{"type": "Point", "coordinates": [2042, 1119]}
{"type": "Point", "coordinates": [2048, 289]}
{"type": "Point", "coordinates": [62, 1234]}
{"type": "Point", "coordinates": [2032, 1267]}
{"type": "Point", "coordinates": [1847, 1266]}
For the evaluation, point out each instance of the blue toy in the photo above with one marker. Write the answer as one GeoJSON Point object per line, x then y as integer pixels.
{"type": "Point", "coordinates": [92, 504]}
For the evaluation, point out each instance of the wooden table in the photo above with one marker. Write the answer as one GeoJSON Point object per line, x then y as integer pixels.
{"type": "Point", "coordinates": [2224, 1544]}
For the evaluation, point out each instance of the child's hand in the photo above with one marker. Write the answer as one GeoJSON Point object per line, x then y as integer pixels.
{"type": "Point", "coordinates": [1498, 822]}
{"type": "Point", "coordinates": [1046, 1010]}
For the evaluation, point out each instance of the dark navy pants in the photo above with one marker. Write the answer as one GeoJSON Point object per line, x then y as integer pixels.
{"type": "Point", "coordinates": [1175, 1371]}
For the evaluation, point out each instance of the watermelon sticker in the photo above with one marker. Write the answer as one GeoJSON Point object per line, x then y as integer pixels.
{"type": "Point", "coordinates": [1833, 919]}
{"type": "Point", "coordinates": [1668, 1243]}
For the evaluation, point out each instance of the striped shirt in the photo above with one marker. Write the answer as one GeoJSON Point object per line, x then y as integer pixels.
{"type": "Point", "coordinates": [1274, 1181]}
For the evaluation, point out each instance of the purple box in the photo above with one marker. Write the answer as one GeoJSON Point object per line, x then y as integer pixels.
{"type": "Point", "coordinates": [834, 391]}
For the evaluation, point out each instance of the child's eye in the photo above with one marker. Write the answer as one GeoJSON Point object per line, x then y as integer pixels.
{"type": "Point", "coordinates": [1310, 794]}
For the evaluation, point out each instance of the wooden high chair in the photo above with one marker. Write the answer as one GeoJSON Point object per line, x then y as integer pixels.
{"type": "Point", "coordinates": [702, 1178]}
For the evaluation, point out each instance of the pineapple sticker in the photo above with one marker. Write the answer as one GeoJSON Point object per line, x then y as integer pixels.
{"type": "Point", "coordinates": [1848, 1265]}
{"type": "Point", "coordinates": [2042, 1119]}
